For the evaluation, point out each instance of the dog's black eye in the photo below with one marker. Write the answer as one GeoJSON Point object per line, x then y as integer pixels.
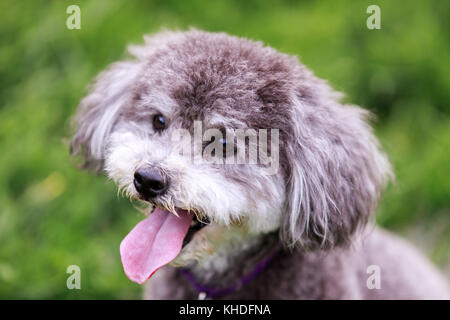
{"type": "Point", "coordinates": [223, 142]}
{"type": "Point", "coordinates": [222, 146]}
{"type": "Point", "coordinates": [159, 123]}
{"type": "Point", "coordinates": [226, 148]}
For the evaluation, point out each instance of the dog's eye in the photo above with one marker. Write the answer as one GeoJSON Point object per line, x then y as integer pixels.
{"type": "Point", "coordinates": [159, 123]}
{"type": "Point", "coordinates": [226, 147]}
{"type": "Point", "coordinates": [223, 142]}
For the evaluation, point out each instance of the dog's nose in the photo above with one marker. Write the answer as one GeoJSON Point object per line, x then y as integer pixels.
{"type": "Point", "coordinates": [149, 183]}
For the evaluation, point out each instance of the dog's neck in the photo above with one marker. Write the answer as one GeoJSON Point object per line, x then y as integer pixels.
{"type": "Point", "coordinates": [233, 260]}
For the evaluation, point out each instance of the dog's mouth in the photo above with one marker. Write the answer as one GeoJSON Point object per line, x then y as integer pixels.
{"type": "Point", "coordinates": [156, 241]}
{"type": "Point", "coordinates": [196, 226]}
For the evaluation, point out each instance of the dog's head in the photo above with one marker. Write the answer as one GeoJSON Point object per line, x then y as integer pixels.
{"type": "Point", "coordinates": [193, 91]}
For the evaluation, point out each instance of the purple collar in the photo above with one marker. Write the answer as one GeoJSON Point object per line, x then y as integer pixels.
{"type": "Point", "coordinates": [216, 293]}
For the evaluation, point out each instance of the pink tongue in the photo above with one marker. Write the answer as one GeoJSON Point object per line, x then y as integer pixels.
{"type": "Point", "coordinates": [153, 243]}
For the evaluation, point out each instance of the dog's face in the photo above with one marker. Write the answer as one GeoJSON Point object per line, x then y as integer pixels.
{"type": "Point", "coordinates": [325, 172]}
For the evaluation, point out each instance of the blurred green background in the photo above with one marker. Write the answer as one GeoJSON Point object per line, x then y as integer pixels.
{"type": "Point", "coordinates": [53, 215]}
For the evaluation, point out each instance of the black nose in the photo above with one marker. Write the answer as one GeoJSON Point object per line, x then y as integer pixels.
{"type": "Point", "coordinates": [149, 183]}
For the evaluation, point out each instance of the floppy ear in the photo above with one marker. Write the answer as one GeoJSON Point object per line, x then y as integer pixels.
{"type": "Point", "coordinates": [99, 110]}
{"type": "Point", "coordinates": [336, 173]}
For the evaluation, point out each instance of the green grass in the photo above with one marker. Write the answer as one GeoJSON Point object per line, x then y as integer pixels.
{"type": "Point", "coordinates": [53, 215]}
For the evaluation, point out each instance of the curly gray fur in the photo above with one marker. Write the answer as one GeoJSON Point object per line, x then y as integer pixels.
{"type": "Point", "coordinates": [332, 170]}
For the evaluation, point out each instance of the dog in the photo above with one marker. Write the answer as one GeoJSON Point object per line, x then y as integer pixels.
{"type": "Point", "coordinates": [225, 230]}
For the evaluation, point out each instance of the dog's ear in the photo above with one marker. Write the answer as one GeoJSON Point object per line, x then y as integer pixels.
{"type": "Point", "coordinates": [99, 110]}
{"type": "Point", "coordinates": [335, 173]}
